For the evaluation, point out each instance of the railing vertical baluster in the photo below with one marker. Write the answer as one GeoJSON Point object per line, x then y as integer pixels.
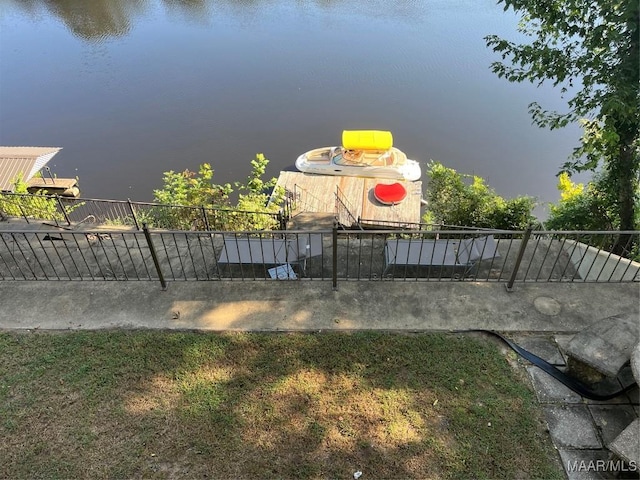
{"type": "Point", "coordinates": [79, 250]}
{"type": "Point", "coordinates": [144, 264]}
{"type": "Point", "coordinates": [348, 251]}
{"type": "Point", "coordinates": [334, 246]}
{"type": "Point", "coordinates": [118, 257]}
{"type": "Point", "coordinates": [179, 254]}
{"type": "Point", "coordinates": [133, 214]}
{"type": "Point", "coordinates": [167, 256]}
{"type": "Point", "coordinates": [131, 259]}
{"type": "Point", "coordinates": [204, 260]}
{"type": "Point", "coordinates": [627, 248]}
{"type": "Point", "coordinates": [23, 214]}
{"type": "Point", "coordinates": [523, 246]}
{"type": "Point", "coordinates": [5, 262]}
{"type": "Point", "coordinates": [193, 266]}
{"type": "Point", "coordinates": [204, 217]}
{"type": "Point", "coordinates": [53, 240]}
{"type": "Point", "coordinates": [35, 256]}
{"type": "Point", "coordinates": [154, 256]}
{"type": "Point", "coordinates": [64, 212]}
{"type": "Point", "coordinates": [93, 237]}
{"type": "Point", "coordinates": [506, 256]}
{"type": "Point", "coordinates": [101, 242]}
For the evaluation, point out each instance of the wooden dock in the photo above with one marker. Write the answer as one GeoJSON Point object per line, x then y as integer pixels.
{"type": "Point", "coordinates": [67, 187]}
{"type": "Point", "coordinates": [319, 193]}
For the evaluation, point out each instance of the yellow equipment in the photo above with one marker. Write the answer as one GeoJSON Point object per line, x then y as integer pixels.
{"type": "Point", "coordinates": [367, 140]}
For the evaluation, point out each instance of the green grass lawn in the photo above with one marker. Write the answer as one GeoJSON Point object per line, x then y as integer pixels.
{"type": "Point", "coordinates": [162, 404]}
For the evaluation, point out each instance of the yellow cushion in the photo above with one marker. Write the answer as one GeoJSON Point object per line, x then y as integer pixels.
{"type": "Point", "coordinates": [367, 140]}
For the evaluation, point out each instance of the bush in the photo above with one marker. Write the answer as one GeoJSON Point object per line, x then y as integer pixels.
{"type": "Point", "coordinates": [184, 194]}
{"type": "Point", "coordinates": [580, 207]}
{"type": "Point", "coordinates": [590, 207]}
{"type": "Point", "coordinates": [35, 205]}
{"type": "Point", "coordinates": [254, 196]}
{"type": "Point", "coordinates": [453, 200]}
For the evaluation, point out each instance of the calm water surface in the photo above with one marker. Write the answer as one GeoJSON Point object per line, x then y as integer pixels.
{"type": "Point", "coordinates": [132, 88]}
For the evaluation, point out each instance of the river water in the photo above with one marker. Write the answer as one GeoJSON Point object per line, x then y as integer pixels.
{"type": "Point", "coordinates": [133, 88]}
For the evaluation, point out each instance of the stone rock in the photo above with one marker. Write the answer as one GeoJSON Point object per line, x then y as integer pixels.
{"type": "Point", "coordinates": [627, 444]}
{"type": "Point", "coordinates": [604, 347]}
{"type": "Point", "coordinates": [635, 363]}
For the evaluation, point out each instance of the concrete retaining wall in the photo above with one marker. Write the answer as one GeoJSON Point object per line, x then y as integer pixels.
{"type": "Point", "coordinates": [596, 264]}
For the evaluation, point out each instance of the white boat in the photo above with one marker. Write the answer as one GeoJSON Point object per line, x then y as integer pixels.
{"type": "Point", "coordinates": [364, 154]}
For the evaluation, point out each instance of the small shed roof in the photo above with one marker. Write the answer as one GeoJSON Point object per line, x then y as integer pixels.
{"type": "Point", "coordinates": [25, 161]}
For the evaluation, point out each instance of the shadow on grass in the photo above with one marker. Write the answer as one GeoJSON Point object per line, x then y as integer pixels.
{"type": "Point", "coordinates": [159, 404]}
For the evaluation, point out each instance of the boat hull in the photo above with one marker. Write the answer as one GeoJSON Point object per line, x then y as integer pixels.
{"type": "Point", "coordinates": [318, 161]}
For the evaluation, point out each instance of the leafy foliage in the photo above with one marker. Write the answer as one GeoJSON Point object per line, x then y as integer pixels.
{"type": "Point", "coordinates": [454, 201]}
{"type": "Point", "coordinates": [253, 197]}
{"type": "Point", "coordinates": [23, 204]}
{"type": "Point", "coordinates": [580, 207]}
{"type": "Point", "coordinates": [589, 207]}
{"type": "Point", "coordinates": [591, 50]}
{"type": "Point", "coordinates": [188, 197]}
{"type": "Point", "coordinates": [585, 207]}
{"type": "Point", "coordinates": [192, 188]}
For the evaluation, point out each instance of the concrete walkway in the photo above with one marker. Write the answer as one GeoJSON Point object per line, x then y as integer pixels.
{"type": "Point", "coordinates": [281, 306]}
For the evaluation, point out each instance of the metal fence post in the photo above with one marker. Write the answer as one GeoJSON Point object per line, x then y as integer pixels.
{"type": "Point", "coordinates": [334, 268]}
{"type": "Point", "coordinates": [523, 246]}
{"type": "Point", "coordinates": [152, 249]}
{"type": "Point", "coordinates": [133, 214]}
{"type": "Point", "coordinates": [64, 212]}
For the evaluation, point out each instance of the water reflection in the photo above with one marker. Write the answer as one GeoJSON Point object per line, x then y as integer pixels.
{"type": "Point", "coordinates": [95, 20]}
{"type": "Point", "coordinates": [98, 20]}
{"type": "Point", "coordinates": [196, 11]}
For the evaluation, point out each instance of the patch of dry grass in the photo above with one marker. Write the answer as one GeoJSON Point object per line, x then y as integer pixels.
{"type": "Point", "coordinates": [166, 405]}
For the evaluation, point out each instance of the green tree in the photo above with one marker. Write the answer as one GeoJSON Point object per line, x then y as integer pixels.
{"type": "Point", "coordinates": [581, 207]}
{"type": "Point", "coordinates": [591, 49]}
{"type": "Point", "coordinates": [466, 200]}
{"type": "Point", "coordinates": [589, 207]}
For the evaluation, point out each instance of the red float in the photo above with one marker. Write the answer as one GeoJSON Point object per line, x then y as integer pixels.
{"type": "Point", "coordinates": [389, 194]}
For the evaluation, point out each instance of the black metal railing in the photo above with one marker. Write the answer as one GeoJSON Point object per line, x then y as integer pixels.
{"type": "Point", "coordinates": [488, 255]}
{"type": "Point", "coordinates": [304, 201]}
{"type": "Point", "coordinates": [379, 224]}
{"type": "Point", "coordinates": [336, 255]}
{"type": "Point", "coordinates": [73, 211]}
{"type": "Point", "coordinates": [343, 211]}
{"type": "Point", "coordinates": [163, 255]}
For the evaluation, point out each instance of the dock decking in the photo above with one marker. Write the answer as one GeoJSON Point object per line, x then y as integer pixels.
{"type": "Point", "coordinates": [67, 187]}
{"type": "Point", "coordinates": [317, 193]}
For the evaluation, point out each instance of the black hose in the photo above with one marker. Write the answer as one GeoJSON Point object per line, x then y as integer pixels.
{"type": "Point", "coordinates": [569, 381]}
